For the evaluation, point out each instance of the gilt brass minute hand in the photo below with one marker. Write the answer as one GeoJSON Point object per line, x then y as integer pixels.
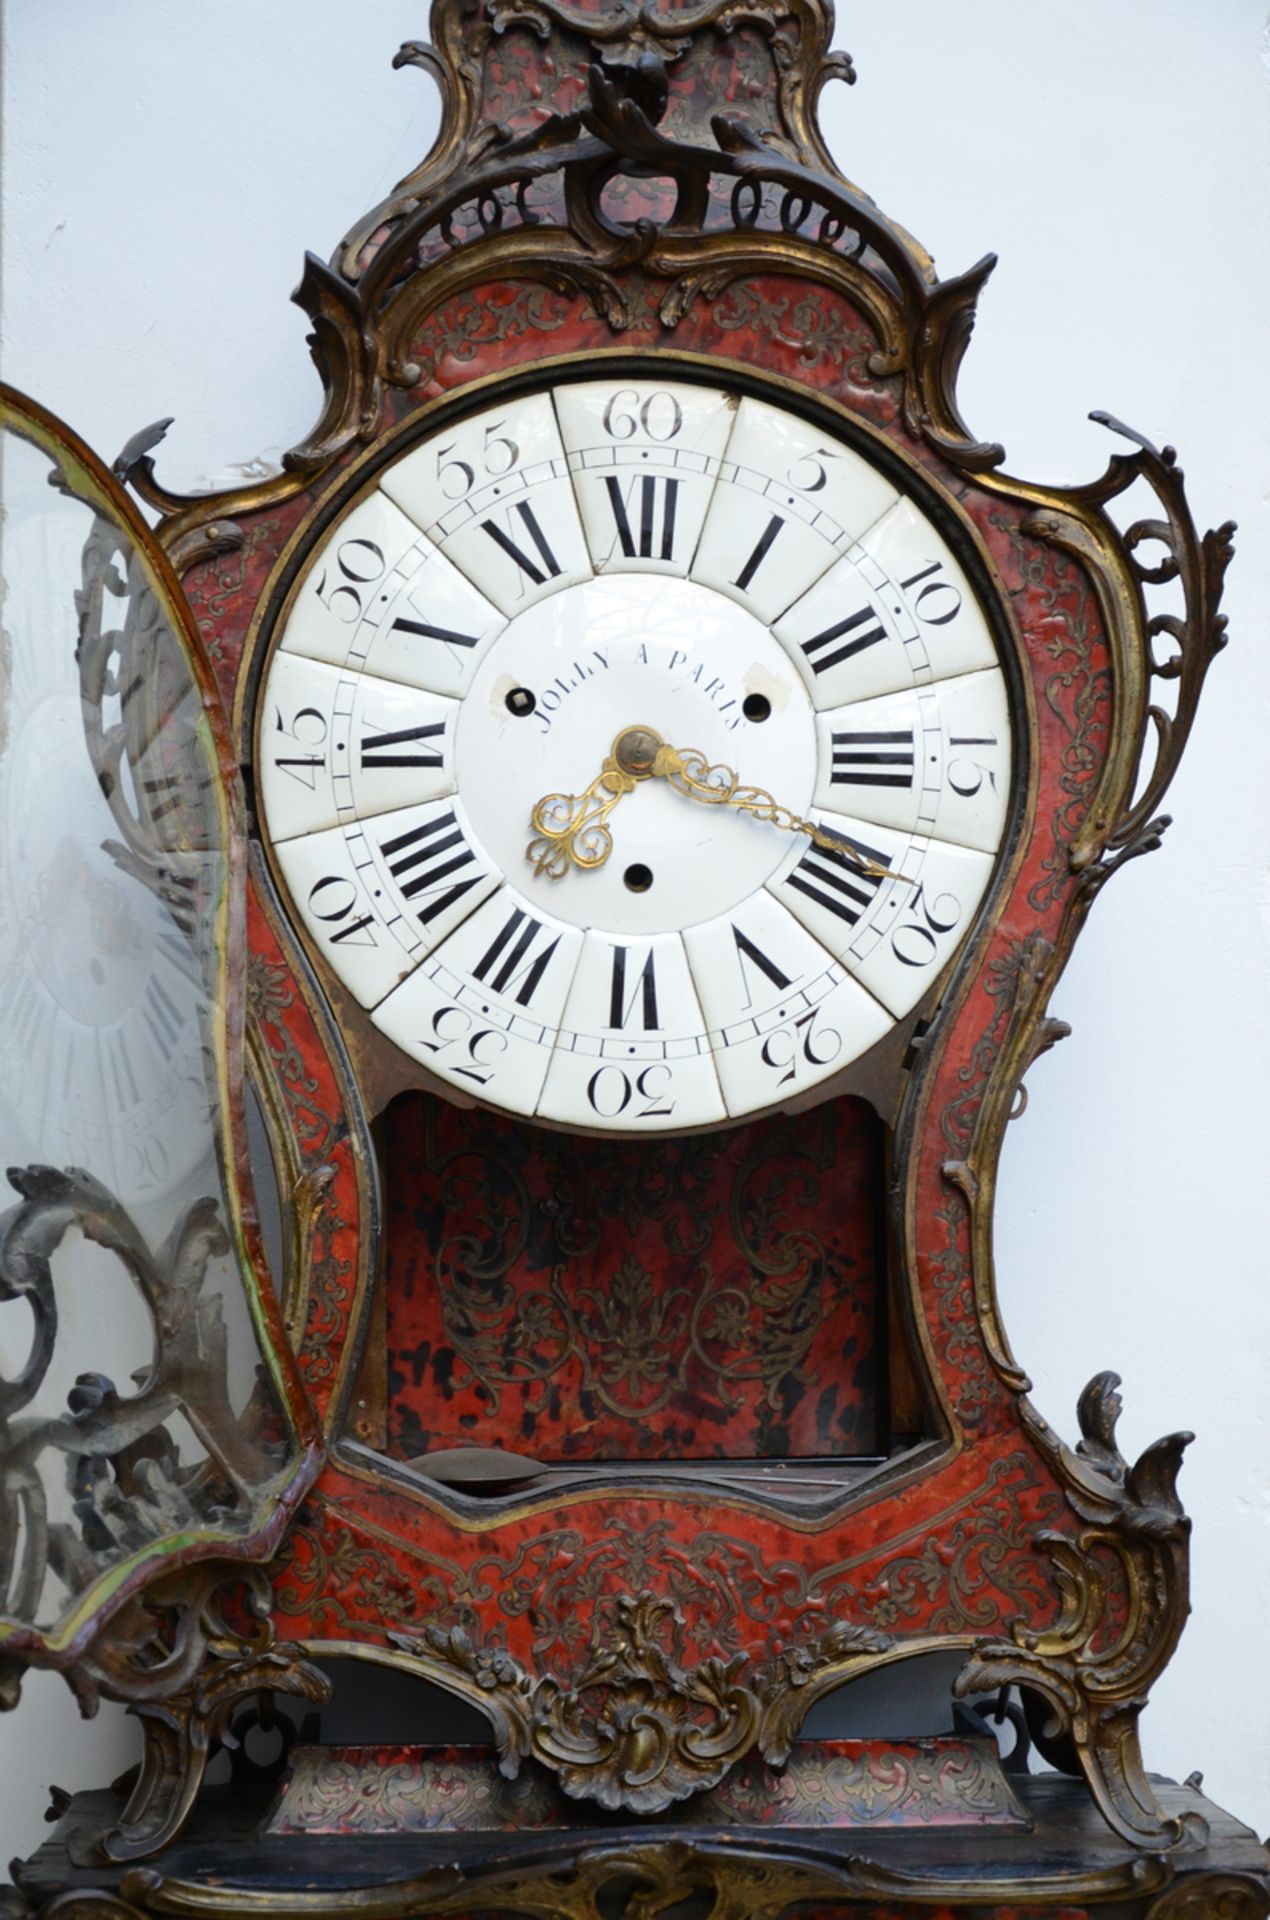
{"type": "Point", "coordinates": [690, 773]}
{"type": "Point", "coordinates": [572, 829]}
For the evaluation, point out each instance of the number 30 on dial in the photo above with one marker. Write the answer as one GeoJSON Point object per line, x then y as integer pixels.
{"type": "Point", "coordinates": [636, 753]}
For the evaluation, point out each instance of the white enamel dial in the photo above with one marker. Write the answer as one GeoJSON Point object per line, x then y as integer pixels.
{"type": "Point", "coordinates": [565, 927]}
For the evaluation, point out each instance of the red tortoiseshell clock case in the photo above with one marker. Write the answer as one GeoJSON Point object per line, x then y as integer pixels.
{"type": "Point", "coordinates": [631, 191]}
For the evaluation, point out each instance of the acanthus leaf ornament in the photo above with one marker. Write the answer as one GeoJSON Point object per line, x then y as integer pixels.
{"type": "Point", "coordinates": [1195, 636]}
{"type": "Point", "coordinates": [1123, 1584]}
{"type": "Point", "coordinates": [636, 1730]}
{"type": "Point", "coordinates": [199, 1648]}
{"type": "Point", "coordinates": [130, 1487]}
{"type": "Point", "coordinates": [522, 190]}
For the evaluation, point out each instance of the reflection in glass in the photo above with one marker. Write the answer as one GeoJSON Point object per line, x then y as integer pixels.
{"type": "Point", "coordinates": [133, 1403]}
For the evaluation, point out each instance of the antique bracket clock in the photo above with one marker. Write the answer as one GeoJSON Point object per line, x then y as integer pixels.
{"type": "Point", "coordinates": [616, 805]}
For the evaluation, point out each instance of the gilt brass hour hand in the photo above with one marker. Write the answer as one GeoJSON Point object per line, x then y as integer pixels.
{"type": "Point", "coordinates": [572, 829]}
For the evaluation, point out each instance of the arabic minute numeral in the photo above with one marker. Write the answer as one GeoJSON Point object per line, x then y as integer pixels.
{"type": "Point", "coordinates": [960, 771]}
{"type": "Point", "coordinates": [801, 1040]}
{"type": "Point", "coordinates": [815, 463]}
{"type": "Point", "coordinates": [479, 1047]}
{"type": "Point", "coordinates": [660, 415]}
{"type": "Point", "coordinates": [308, 730]}
{"type": "Point", "coordinates": [497, 464]}
{"type": "Point", "coordinates": [499, 454]}
{"type": "Point", "coordinates": [333, 900]}
{"type": "Point", "coordinates": [145, 1164]}
{"type": "Point", "coordinates": [464, 474]}
{"type": "Point", "coordinates": [359, 563]}
{"type": "Point", "coordinates": [939, 601]}
{"type": "Point", "coordinates": [915, 942]}
{"type": "Point", "coordinates": [611, 1091]}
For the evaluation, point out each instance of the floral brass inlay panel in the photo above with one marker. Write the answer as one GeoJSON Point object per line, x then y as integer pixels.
{"type": "Point", "coordinates": [826, 1783]}
{"type": "Point", "coordinates": [714, 1295]}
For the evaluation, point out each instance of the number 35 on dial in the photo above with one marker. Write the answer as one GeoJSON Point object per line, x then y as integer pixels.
{"type": "Point", "coordinates": [470, 654]}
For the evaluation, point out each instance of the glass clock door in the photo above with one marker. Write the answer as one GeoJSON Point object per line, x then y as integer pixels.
{"type": "Point", "coordinates": [145, 1408]}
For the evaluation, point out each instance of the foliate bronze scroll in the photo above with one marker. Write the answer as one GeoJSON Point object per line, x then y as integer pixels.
{"type": "Point", "coordinates": [185, 1656]}
{"type": "Point", "coordinates": [129, 1486]}
{"type": "Point", "coordinates": [638, 1729]}
{"type": "Point", "coordinates": [1124, 1583]}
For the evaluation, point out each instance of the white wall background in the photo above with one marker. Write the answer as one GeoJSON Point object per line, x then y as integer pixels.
{"type": "Point", "coordinates": [165, 166]}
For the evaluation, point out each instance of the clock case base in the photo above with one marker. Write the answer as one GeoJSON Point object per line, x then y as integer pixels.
{"type": "Point", "coordinates": [1065, 1865]}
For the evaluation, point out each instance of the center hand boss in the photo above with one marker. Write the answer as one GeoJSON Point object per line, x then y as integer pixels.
{"type": "Point", "coordinates": [572, 829]}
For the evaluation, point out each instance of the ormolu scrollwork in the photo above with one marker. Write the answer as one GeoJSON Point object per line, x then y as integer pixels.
{"type": "Point", "coordinates": [1123, 1581]}
{"type": "Point", "coordinates": [514, 191]}
{"type": "Point", "coordinates": [636, 1729]}
{"type": "Point", "coordinates": [1022, 984]}
{"type": "Point", "coordinates": [185, 1657]}
{"type": "Point", "coordinates": [1122, 820]}
{"type": "Point", "coordinates": [128, 1485]}
{"type": "Point", "coordinates": [142, 717]}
